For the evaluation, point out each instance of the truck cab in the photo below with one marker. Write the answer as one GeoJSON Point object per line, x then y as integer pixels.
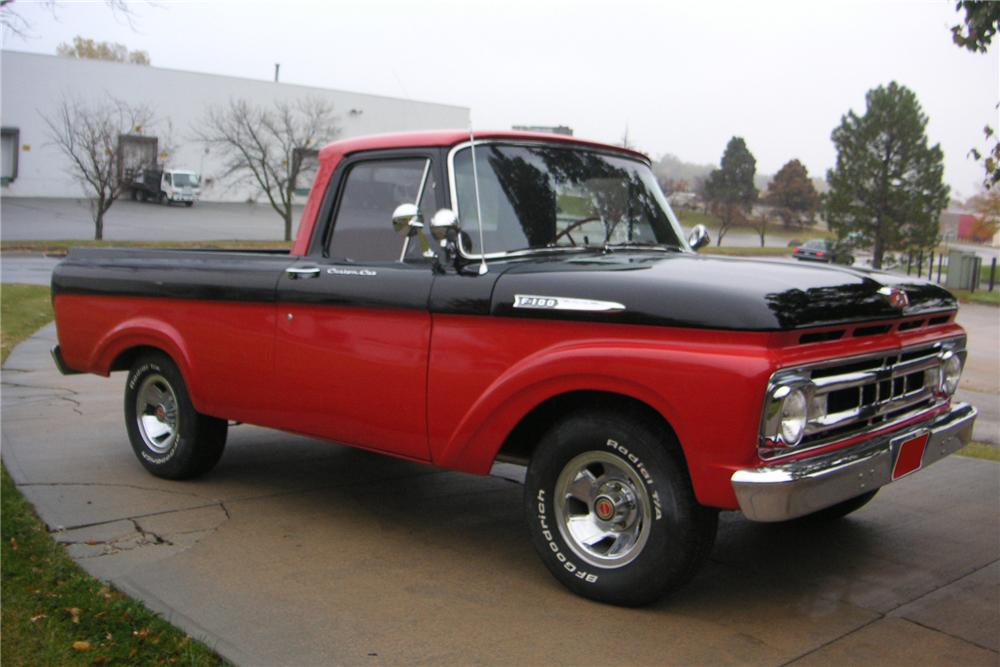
{"type": "Point", "coordinates": [180, 185]}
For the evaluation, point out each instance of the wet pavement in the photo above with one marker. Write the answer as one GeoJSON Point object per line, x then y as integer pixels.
{"type": "Point", "coordinates": [295, 551]}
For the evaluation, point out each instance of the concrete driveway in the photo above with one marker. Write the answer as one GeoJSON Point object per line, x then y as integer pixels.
{"type": "Point", "coordinates": [295, 551]}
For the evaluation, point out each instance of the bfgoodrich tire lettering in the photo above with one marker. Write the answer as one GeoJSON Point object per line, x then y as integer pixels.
{"type": "Point", "coordinates": [169, 437]}
{"type": "Point", "coordinates": [611, 510]}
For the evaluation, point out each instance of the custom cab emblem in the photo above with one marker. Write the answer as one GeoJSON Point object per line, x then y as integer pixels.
{"type": "Point", "coordinates": [351, 272]}
{"type": "Point", "coordinates": [896, 297]}
{"type": "Point", "coordinates": [537, 302]}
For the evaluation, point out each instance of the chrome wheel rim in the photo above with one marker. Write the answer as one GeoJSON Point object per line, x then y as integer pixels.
{"type": "Point", "coordinates": [602, 509]}
{"type": "Point", "coordinates": [156, 413]}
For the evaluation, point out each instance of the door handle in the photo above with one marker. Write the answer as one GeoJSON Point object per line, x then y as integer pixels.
{"type": "Point", "coordinates": [299, 272]}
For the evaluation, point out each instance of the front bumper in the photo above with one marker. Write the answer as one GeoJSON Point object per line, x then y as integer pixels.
{"type": "Point", "coordinates": [790, 490]}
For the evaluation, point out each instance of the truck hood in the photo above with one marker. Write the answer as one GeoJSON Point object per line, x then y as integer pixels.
{"type": "Point", "coordinates": [705, 291]}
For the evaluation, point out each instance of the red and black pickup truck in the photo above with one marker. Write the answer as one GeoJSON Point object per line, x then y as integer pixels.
{"type": "Point", "coordinates": [531, 299]}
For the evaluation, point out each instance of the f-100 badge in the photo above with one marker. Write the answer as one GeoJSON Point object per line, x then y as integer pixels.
{"type": "Point", "coordinates": [539, 302]}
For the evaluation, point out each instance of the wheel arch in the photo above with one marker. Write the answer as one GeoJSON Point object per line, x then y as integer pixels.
{"type": "Point", "coordinates": [521, 442]}
{"type": "Point", "coordinates": [119, 349]}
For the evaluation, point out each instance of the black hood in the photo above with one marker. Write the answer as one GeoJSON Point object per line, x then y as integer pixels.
{"type": "Point", "coordinates": [689, 290]}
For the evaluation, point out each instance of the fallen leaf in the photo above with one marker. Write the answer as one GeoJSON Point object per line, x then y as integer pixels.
{"type": "Point", "coordinates": [105, 592]}
{"type": "Point", "coordinates": [13, 544]}
{"type": "Point", "coordinates": [141, 634]}
{"type": "Point", "coordinates": [100, 660]}
{"type": "Point", "coordinates": [74, 613]}
{"type": "Point", "coordinates": [37, 618]}
{"type": "Point", "coordinates": [81, 646]}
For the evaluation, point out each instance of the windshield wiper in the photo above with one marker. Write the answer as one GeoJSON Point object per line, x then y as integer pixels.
{"type": "Point", "coordinates": [641, 245]}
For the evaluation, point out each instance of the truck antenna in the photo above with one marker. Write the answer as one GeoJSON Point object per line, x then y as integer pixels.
{"type": "Point", "coordinates": [479, 210]}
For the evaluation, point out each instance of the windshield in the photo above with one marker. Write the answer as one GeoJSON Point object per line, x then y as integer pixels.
{"type": "Point", "coordinates": [182, 179]}
{"type": "Point", "coordinates": [545, 196]}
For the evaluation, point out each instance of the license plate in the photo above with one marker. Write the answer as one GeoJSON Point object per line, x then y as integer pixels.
{"type": "Point", "coordinates": [910, 455]}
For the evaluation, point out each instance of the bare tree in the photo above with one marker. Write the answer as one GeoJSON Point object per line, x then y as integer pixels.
{"type": "Point", "coordinates": [15, 25]}
{"type": "Point", "coordinates": [89, 134]}
{"type": "Point", "coordinates": [760, 221]}
{"type": "Point", "coordinates": [270, 148]}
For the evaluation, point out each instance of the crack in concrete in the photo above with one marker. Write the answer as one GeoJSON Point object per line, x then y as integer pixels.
{"type": "Point", "coordinates": [140, 538]}
{"type": "Point", "coordinates": [836, 639]}
{"type": "Point", "coordinates": [937, 588]}
{"type": "Point", "coordinates": [61, 396]}
{"type": "Point", "coordinates": [947, 634]}
{"type": "Point", "coordinates": [883, 616]}
{"type": "Point", "coordinates": [123, 486]}
{"type": "Point", "coordinates": [59, 529]}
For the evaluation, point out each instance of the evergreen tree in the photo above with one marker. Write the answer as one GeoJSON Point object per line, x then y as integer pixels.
{"type": "Point", "coordinates": [730, 188]}
{"type": "Point", "coordinates": [887, 183]}
{"type": "Point", "coordinates": [793, 195]}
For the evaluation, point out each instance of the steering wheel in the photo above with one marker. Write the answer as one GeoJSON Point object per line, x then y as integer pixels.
{"type": "Point", "coordinates": [578, 223]}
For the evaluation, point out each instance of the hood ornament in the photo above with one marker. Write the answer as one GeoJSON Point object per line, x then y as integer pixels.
{"type": "Point", "coordinates": [896, 297]}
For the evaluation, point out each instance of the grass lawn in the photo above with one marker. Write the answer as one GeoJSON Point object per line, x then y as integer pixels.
{"type": "Point", "coordinates": [61, 246]}
{"type": "Point", "coordinates": [23, 310]}
{"type": "Point", "coordinates": [979, 296]}
{"type": "Point", "coordinates": [980, 450]}
{"type": "Point", "coordinates": [54, 613]}
{"type": "Point", "coordinates": [689, 218]}
{"type": "Point", "coordinates": [753, 251]}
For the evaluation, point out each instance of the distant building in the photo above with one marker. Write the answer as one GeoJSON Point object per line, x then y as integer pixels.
{"type": "Point", "coordinates": [34, 84]}
{"type": "Point", "coordinates": [550, 129]}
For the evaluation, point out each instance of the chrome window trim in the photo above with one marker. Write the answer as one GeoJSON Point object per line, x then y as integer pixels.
{"type": "Point", "coordinates": [453, 194]}
{"type": "Point", "coordinates": [794, 374]}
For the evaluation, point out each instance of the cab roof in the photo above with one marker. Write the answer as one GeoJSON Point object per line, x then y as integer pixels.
{"type": "Point", "coordinates": [447, 138]}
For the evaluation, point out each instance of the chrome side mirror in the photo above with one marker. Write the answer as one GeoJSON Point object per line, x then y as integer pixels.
{"type": "Point", "coordinates": [442, 222]}
{"type": "Point", "coordinates": [406, 219]}
{"type": "Point", "coordinates": [698, 237]}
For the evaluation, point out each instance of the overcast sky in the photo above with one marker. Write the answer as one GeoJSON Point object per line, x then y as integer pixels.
{"type": "Point", "coordinates": [683, 77]}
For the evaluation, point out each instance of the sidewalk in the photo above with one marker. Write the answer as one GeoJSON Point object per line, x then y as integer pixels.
{"type": "Point", "coordinates": [300, 552]}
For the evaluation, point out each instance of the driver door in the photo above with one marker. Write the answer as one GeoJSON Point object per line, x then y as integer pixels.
{"type": "Point", "coordinates": [353, 332]}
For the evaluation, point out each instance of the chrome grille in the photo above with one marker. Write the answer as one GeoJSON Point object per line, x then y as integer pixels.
{"type": "Point", "coordinates": [864, 394]}
{"type": "Point", "coordinates": [851, 396]}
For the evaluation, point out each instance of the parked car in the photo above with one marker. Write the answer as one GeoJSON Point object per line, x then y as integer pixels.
{"type": "Point", "coordinates": [571, 330]}
{"type": "Point", "coordinates": [824, 250]}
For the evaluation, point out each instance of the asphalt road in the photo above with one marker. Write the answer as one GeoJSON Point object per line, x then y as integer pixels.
{"type": "Point", "coordinates": [294, 551]}
{"type": "Point", "coordinates": [57, 219]}
{"type": "Point", "coordinates": [60, 219]}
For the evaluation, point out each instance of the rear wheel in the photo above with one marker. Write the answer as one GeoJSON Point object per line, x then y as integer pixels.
{"type": "Point", "coordinates": [611, 509]}
{"type": "Point", "coordinates": [169, 437]}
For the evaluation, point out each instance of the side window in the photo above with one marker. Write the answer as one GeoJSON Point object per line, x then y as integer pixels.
{"type": "Point", "coordinates": [362, 228]}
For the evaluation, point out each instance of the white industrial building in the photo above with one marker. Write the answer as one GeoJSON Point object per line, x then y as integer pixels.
{"type": "Point", "coordinates": [34, 84]}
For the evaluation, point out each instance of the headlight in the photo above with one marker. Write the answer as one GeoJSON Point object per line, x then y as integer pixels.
{"type": "Point", "coordinates": [787, 413]}
{"type": "Point", "coordinates": [951, 373]}
{"type": "Point", "coordinates": [794, 412]}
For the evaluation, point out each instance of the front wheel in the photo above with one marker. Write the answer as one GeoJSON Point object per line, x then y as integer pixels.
{"type": "Point", "coordinates": [611, 509]}
{"type": "Point", "coordinates": [170, 438]}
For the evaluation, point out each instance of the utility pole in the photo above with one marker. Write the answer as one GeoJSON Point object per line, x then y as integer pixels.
{"type": "Point", "coordinates": [277, 67]}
